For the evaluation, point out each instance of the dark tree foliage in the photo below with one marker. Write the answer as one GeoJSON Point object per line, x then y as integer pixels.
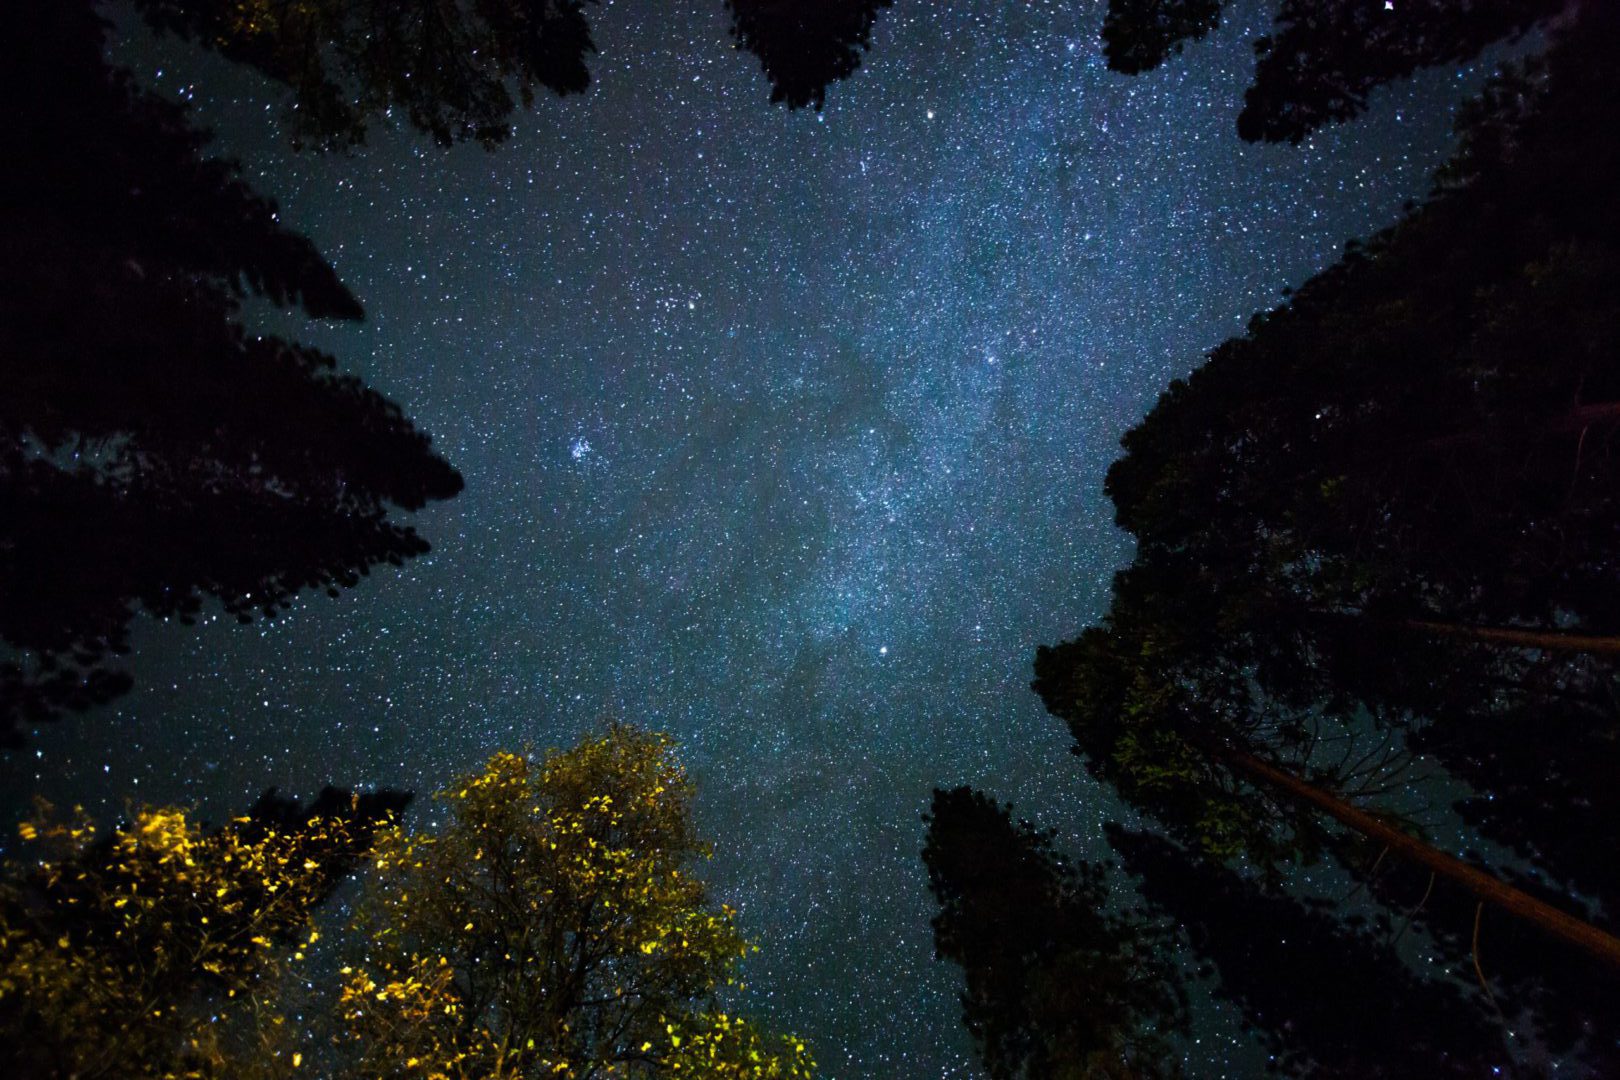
{"type": "Point", "coordinates": [1138, 35]}
{"type": "Point", "coordinates": [804, 45]}
{"type": "Point", "coordinates": [1161, 677]}
{"type": "Point", "coordinates": [1386, 522]}
{"type": "Point", "coordinates": [1417, 447]}
{"type": "Point", "coordinates": [1324, 57]}
{"type": "Point", "coordinates": [457, 69]}
{"type": "Point", "coordinates": [153, 451]}
{"type": "Point", "coordinates": [1057, 985]}
{"type": "Point", "coordinates": [1416, 452]}
{"type": "Point", "coordinates": [1564, 1008]}
{"type": "Point", "coordinates": [1329, 997]}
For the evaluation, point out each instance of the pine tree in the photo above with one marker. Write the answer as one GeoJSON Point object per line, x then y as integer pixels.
{"type": "Point", "coordinates": [154, 451]}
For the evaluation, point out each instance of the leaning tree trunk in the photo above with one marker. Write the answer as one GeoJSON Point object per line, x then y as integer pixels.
{"type": "Point", "coordinates": [1581, 934]}
{"type": "Point", "coordinates": [1546, 640]}
{"type": "Point", "coordinates": [1576, 420]}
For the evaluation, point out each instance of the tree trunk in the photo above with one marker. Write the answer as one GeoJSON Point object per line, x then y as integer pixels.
{"type": "Point", "coordinates": [1577, 419]}
{"type": "Point", "coordinates": [1548, 640]}
{"type": "Point", "coordinates": [1514, 901]}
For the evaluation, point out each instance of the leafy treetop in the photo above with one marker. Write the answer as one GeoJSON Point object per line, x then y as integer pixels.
{"type": "Point", "coordinates": [161, 948]}
{"type": "Point", "coordinates": [553, 928]}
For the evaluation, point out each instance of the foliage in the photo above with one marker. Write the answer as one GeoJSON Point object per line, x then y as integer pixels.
{"type": "Point", "coordinates": [1057, 985]}
{"type": "Point", "coordinates": [804, 45]}
{"type": "Point", "coordinates": [454, 70]}
{"type": "Point", "coordinates": [1274, 954]}
{"type": "Point", "coordinates": [1420, 437]}
{"type": "Point", "coordinates": [1324, 57]}
{"type": "Point", "coordinates": [1337, 520]}
{"type": "Point", "coordinates": [161, 948]}
{"type": "Point", "coordinates": [154, 452]}
{"type": "Point", "coordinates": [1139, 34]}
{"type": "Point", "coordinates": [457, 69]}
{"type": "Point", "coordinates": [553, 927]}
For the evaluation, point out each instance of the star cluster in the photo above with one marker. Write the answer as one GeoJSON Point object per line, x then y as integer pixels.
{"type": "Point", "coordinates": [783, 433]}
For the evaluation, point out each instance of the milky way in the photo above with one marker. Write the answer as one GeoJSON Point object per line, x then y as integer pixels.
{"type": "Point", "coordinates": [784, 433]}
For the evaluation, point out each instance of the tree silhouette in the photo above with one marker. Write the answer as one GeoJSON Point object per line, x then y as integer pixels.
{"type": "Point", "coordinates": [1324, 57]}
{"type": "Point", "coordinates": [153, 451]}
{"type": "Point", "coordinates": [1138, 35]}
{"type": "Point", "coordinates": [1275, 956]}
{"type": "Point", "coordinates": [1383, 524]}
{"type": "Point", "coordinates": [553, 927]}
{"type": "Point", "coordinates": [457, 70]}
{"type": "Point", "coordinates": [454, 70]}
{"type": "Point", "coordinates": [1057, 985]}
{"type": "Point", "coordinates": [161, 948]}
{"type": "Point", "coordinates": [1397, 493]}
{"type": "Point", "coordinates": [1559, 1009]}
{"type": "Point", "coordinates": [804, 45]}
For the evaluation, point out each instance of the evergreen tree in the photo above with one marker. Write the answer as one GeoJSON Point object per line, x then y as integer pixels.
{"type": "Point", "coordinates": [1324, 57]}
{"type": "Point", "coordinates": [457, 69]}
{"type": "Point", "coordinates": [1383, 524]}
{"type": "Point", "coordinates": [1057, 984]}
{"type": "Point", "coordinates": [804, 45]}
{"type": "Point", "coordinates": [155, 452]}
{"type": "Point", "coordinates": [1329, 995]}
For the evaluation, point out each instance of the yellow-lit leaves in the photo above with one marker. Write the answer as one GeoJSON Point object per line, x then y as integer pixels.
{"type": "Point", "coordinates": [716, 1046]}
{"type": "Point", "coordinates": [556, 894]}
{"type": "Point", "coordinates": [158, 936]}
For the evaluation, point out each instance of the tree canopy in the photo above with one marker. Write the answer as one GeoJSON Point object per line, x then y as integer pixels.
{"type": "Point", "coordinates": [1057, 984]}
{"type": "Point", "coordinates": [458, 70]}
{"type": "Point", "coordinates": [553, 927]}
{"type": "Point", "coordinates": [1323, 58]}
{"type": "Point", "coordinates": [162, 948]}
{"type": "Point", "coordinates": [1375, 565]}
{"type": "Point", "coordinates": [154, 451]}
{"type": "Point", "coordinates": [1394, 497]}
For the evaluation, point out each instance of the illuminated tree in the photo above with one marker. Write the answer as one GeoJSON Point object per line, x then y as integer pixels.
{"type": "Point", "coordinates": [552, 928]}
{"type": "Point", "coordinates": [162, 949]}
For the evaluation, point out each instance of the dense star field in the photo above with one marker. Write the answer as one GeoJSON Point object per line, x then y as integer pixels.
{"type": "Point", "coordinates": [783, 432]}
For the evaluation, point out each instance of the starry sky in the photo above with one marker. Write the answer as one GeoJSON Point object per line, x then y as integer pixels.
{"type": "Point", "coordinates": [783, 433]}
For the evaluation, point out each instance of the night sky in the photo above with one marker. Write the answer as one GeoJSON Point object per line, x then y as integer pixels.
{"type": "Point", "coordinates": [783, 432]}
